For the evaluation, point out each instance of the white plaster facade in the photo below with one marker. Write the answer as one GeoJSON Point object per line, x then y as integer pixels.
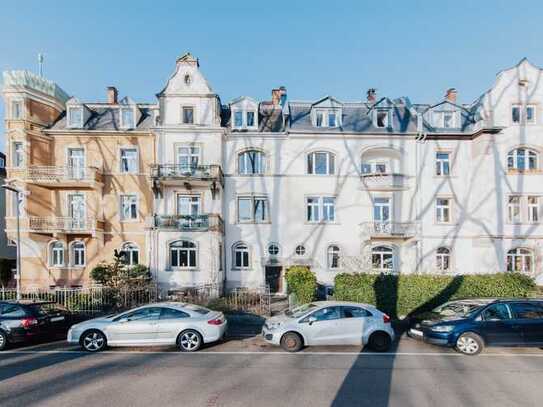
{"type": "Point", "coordinates": [382, 149]}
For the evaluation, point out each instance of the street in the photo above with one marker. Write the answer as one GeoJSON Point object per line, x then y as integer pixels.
{"type": "Point", "coordinates": [248, 372]}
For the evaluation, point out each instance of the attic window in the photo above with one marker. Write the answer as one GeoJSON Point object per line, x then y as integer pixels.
{"type": "Point", "coordinates": [75, 117]}
{"type": "Point", "coordinates": [445, 119]}
{"type": "Point", "coordinates": [381, 118]}
{"type": "Point", "coordinates": [448, 120]}
{"type": "Point", "coordinates": [326, 118]}
{"type": "Point", "coordinates": [187, 79]}
{"type": "Point", "coordinates": [16, 109]}
{"type": "Point", "coordinates": [127, 118]}
{"type": "Point", "coordinates": [243, 119]}
{"type": "Point", "coordinates": [187, 113]}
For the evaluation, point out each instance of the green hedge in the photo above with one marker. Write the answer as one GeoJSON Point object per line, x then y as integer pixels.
{"type": "Point", "coordinates": [302, 282]}
{"type": "Point", "coordinates": [406, 294]}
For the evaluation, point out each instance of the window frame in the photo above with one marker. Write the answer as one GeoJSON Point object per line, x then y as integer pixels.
{"type": "Point", "coordinates": [378, 111]}
{"type": "Point", "coordinates": [441, 164]}
{"type": "Point", "coordinates": [522, 253]}
{"type": "Point", "coordinates": [121, 207]}
{"type": "Point", "coordinates": [529, 155]}
{"type": "Point", "coordinates": [52, 250]}
{"type": "Point", "coordinates": [322, 116]}
{"type": "Point", "coordinates": [243, 249]}
{"type": "Point", "coordinates": [253, 207]}
{"type": "Point", "coordinates": [311, 163]}
{"type": "Point", "coordinates": [275, 245]}
{"type": "Point", "coordinates": [523, 114]}
{"type": "Point", "coordinates": [182, 121]}
{"type": "Point", "coordinates": [20, 104]}
{"type": "Point", "coordinates": [69, 122]}
{"type": "Point", "coordinates": [378, 251]}
{"type": "Point", "coordinates": [321, 209]}
{"type": "Point", "coordinates": [511, 206]}
{"type": "Point", "coordinates": [442, 258]}
{"type": "Point", "coordinates": [74, 256]}
{"type": "Point", "coordinates": [192, 248]}
{"type": "Point", "coordinates": [440, 210]}
{"type": "Point", "coordinates": [300, 250]}
{"type": "Point", "coordinates": [132, 248]}
{"type": "Point", "coordinates": [530, 206]}
{"type": "Point", "coordinates": [247, 161]}
{"type": "Point", "coordinates": [333, 257]}
{"type": "Point", "coordinates": [132, 124]}
{"type": "Point", "coordinates": [244, 118]}
{"type": "Point", "coordinates": [18, 153]}
{"type": "Point", "coordinates": [136, 160]}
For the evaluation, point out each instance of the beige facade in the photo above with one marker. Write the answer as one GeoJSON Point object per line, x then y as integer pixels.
{"type": "Point", "coordinates": [75, 179]}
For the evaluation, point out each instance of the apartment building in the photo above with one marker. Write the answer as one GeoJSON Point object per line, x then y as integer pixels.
{"type": "Point", "coordinates": [233, 193]}
{"type": "Point", "coordinates": [83, 169]}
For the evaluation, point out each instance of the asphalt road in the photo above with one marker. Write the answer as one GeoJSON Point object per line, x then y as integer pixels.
{"type": "Point", "coordinates": [250, 373]}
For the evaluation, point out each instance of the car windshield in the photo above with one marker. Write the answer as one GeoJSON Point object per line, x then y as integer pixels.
{"type": "Point", "coordinates": [457, 309]}
{"type": "Point", "coordinates": [301, 310]}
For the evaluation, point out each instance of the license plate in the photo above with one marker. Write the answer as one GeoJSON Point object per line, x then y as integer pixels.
{"type": "Point", "coordinates": [415, 332]}
{"type": "Point", "coordinates": [55, 319]}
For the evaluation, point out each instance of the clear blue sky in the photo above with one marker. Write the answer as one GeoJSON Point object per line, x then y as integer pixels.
{"type": "Point", "coordinates": [314, 48]}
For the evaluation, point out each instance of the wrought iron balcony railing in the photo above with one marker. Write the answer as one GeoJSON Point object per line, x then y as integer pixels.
{"type": "Point", "coordinates": [390, 229]}
{"type": "Point", "coordinates": [194, 223]}
{"type": "Point", "coordinates": [62, 224]}
{"type": "Point", "coordinates": [57, 175]}
{"type": "Point", "coordinates": [200, 172]}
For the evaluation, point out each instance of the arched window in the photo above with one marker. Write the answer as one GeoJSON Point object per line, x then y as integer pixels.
{"type": "Point", "coordinates": [333, 256]}
{"type": "Point", "coordinates": [273, 249]}
{"type": "Point", "coordinates": [251, 162]}
{"type": "Point", "coordinates": [183, 254]}
{"type": "Point", "coordinates": [78, 254]}
{"type": "Point", "coordinates": [520, 260]}
{"type": "Point", "coordinates": [56, 254]}
{"type": "Point", "coordinates": [522, 159]}
{"type": "Point", "coordinates": [241, 256]}
{"type": "Point", "coordinates": [443, 259]}
{"type": "Point", "coordinates": [300, 250]}
{"type": "Point", "coordinates": [320, 163]}
{"type": "Point", "coordinates": [131, 254]}
{"type": "Point", "coordinates": [382, 258]}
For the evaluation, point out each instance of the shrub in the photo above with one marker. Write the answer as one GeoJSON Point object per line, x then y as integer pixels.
{"type": "Point", "coordinates": [408, 294]}
{"type": "Point", "coordinates": [302, 282]}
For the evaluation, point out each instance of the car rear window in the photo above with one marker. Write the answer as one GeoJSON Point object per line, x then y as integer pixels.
{"type": "Point", "coordinates": [12, 311]}
{"type": "Point", "coordinates": [197, 309]}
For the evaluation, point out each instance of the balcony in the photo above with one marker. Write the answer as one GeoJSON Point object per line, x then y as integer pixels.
{"type": "Point", "coordinates": [55, 225]}
{"type": "Point", "coordinates": [59, 176]}
{"type": "Point", "coordinates": [383, 182]}
{"type": "Point", "coordinates": [388, 230]}
{"type": "Point", "coordinates": [174, 174]}
{"type": "Point", "coordinates": [188, 223]}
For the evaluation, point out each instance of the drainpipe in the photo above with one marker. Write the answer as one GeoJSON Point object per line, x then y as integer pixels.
{"type": "Point", "coordinates": [419, 140]}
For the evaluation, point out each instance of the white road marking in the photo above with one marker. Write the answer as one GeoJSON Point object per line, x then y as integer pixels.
{"type": "Point", "coordinates": [113, 352]}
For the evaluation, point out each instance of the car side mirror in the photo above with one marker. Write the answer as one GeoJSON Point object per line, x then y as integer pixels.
{"type": "Point", "coordinates": [310, 320]}
{"type": "Point", "coordinates": [123, 320]}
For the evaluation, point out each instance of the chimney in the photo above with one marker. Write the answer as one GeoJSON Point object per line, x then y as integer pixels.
{"type": "Point", "coordinates": [371, 95]}
{"type": "Point", "coordinates": [276, 96]}
{"type": "Point", "coordinates": [112, 95]}
{"type": "Point", "coordinates": [451, 95]}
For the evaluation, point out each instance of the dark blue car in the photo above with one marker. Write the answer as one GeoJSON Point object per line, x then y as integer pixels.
{"type": "Point", "coordinates": [470, 325]}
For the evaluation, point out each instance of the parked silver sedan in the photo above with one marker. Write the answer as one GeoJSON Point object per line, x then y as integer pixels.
{"type": "Point", "coordinates": [185, 325]}
{"type": "Point", "coordinates": [330, 323]}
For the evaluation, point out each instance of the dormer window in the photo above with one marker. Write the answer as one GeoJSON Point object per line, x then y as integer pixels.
{"type": "Point", "coordinates": [381, 118]}
{"type": "Point", "coordinates": [448, 120]}
{"type": "Point", "coordinates": [75, 117]}
{"type": "Point", "coordinates": [244, 119]}
{"type": "Point", "coordinates": [127, 118]}
{"type": "Point", "coordinates": [326, 118]}
{"type": "Point", "coordinates": [187, 115]}
{"type": "Point", "coordinates": [445, 119]}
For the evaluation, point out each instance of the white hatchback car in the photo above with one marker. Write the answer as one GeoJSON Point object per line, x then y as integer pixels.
{"type": "Point", "coordinates": [330, 323]}
{"type": "Point", "coordinates": [185, 325]}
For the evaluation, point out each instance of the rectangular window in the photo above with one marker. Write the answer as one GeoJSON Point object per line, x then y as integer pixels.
{"type": "Point", "coordinates": [442, 163]}
{"type": "Point", "coordinates": [319, 119]}
{"type": "Point", "coordinates": [381, 119]}
{"type": "Point", "coordinates": [75, 117]}
{"type": "Point", "coordinates": [238, 119]}
{"type": "Point", "coordinates": [129, 207]}
{"type": "Point", "coordinates": [320, 209]}
{"type": "Point", "coordinates": [188, 115]}
{"type": "Point", "coordinates": [448, 120]}
{"type": "Point", "coordinates": [16, 110]}
{"type": "Point", "coordinates": [18, 154]}
{"type": "Point", "coordinates": [188, 205]}
{"type": "Point", "coordinates": [129, 160]}
{"type": "Point", "coordinates": [513, 209]}
{"type": "Point", "coordinates": [443, 210]}
{"type": "Point", "coordinates": [253, 209]}
{"type": "Point", "coordinates": [188, 158]}
{"type": "Point", "coordinates": [382, 210]}
{"type": "Point", "coordinates": [127, 118]}
{"type": "Point", "coordinates": [332, 120]}
{"type": "Point", "coordinates": [250, 119]}
{"type": "Point", "coordinates": [515, 114]}
{"type": "Point", "coordinates": [533, 209]}
{"type": "Point", "coordinates": [530, 114]}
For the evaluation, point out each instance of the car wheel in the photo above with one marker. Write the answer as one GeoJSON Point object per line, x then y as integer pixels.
{"type": "Point", "coordinates": [469, 343]}
{"type": "Point", "coordinates": [189, 341]}
{"type": "Point", "coordinates": [93, 341]}
{"type": "Point", "coordinates": [3, 341]}
{"type": "Point", "coordinates": [292, 342]}
{"type": "Point", "coordinates": [380, 341]}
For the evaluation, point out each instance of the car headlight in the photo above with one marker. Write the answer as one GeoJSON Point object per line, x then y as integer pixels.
{"type": "Point", "coordinates": [273, 325]}
{"type": "Point", "coordinates": [443, 328]}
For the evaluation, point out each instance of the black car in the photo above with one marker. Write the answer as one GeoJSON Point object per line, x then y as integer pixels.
{"type": "Point", "coordinates": [22, 321]}
{"type": "Point", "coordinates": [470, 325]}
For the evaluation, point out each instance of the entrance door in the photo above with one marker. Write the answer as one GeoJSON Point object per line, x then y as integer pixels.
{"type": "Point", "coordinates": [76, 163]}
{"type": "Point", "coordinates": [273, 278]}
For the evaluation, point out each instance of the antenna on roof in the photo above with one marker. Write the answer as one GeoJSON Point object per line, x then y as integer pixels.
{"type": "Point", "coordinates": [40, 64]}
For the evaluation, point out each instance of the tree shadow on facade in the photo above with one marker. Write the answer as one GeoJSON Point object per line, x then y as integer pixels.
{"type": "Point", "coordinates": [369, 380]}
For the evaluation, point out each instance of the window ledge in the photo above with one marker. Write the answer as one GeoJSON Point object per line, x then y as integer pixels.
{"type": "Point", "coordinates": [183, 269]}
{"type": "Point", "coordinates": [322, 223]}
